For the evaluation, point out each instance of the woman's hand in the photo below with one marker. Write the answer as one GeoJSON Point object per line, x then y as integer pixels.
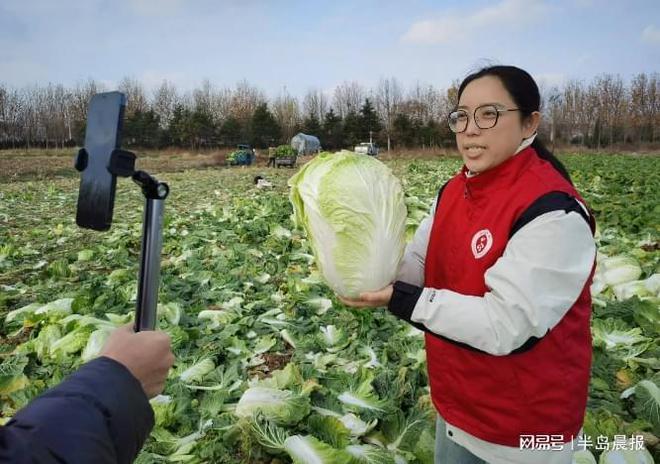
{"type": "Point", "coordinates": [375, 299]}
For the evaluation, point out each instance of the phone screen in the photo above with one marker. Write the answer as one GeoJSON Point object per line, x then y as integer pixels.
{"type": "Point", "coordinates": [96, 196]}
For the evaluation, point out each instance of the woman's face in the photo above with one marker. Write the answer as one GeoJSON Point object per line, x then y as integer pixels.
{"type": "Point", "coordinates": [483, 149]}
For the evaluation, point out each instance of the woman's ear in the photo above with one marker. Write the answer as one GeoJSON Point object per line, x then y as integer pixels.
{"type": "Point", "coordinates": [531, 124]}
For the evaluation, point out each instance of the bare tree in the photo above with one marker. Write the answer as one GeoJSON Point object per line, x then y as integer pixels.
{"type": "Point", "coordinates": [203, 96]}
{"type": "Point", "coordinates": [164, 101]}
{"type": "Point", "coordinates": [79, 100]}
{"type": "Point", "coordinates": [551, 107]}
{"type": "Point", "coordinates": [315, 103]}
{"type": "Point", "coordinates": [3, 115]}
{"type": "Point", "coordinates": [287, 114]}
{"type": "Point", "coordinates": [221, 104]}
{"type": "Point", "coordinates": [609, 92]}
{"type": "Point", "coordinates": [388, 101]}
{"type": "Point", "coordinates": [57, 128]}
{"type": "Point", "coordinates": [449, 100]}
{"type": "Point", "coordinates": [572, 117]}
{"type": "Point", "coordinates": [30, 114]}
{"type": "Point", "coordinates": [11, 113]}
{"type": "Point", "coordinates": [64, 107]}
{"type": "Point", "coordinates": [187, 100]}
{"type": "Point", "coordinates": [435, 103]}
{"type": "Point", "coordinates": [81, 96]}
{"type": "Point", "coordinates": [424, 103]}
{"type": "Point", "coordinates": [245, 100]}
{"type": "Point", "coordinates": [348, 97]}
{"type": "Point", "coordinates": [605, 111]}
{"type": "Point", "coordinates": [136, 100]}
{"type": "Point", "coordinates": [653, 112]}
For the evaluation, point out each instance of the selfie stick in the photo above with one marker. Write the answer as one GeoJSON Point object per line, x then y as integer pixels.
{"type": "Point", "coordinates": [102, 140]}
{"type": "Point", "coordinates": [152, 242]}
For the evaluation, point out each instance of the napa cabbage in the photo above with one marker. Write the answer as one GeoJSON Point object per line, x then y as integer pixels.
{"type": "Point", "coordinates": [619, 269]}
{"type": "Point", "coordinates": [95, 344]}
{"type": "Point", "coordinates": [197, 371]}
{"type": "Point", "coordinates": [353, 210]}
{"type": "Point", "coordinates": [626, 456]}
{"type": "Point", "coordinates": [281, 406]}
{"type": "Point", "coordinates": [302, 449]}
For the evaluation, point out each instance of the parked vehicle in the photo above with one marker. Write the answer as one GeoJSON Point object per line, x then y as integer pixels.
{"type": "Point", "coordinates": [242, 156]}
{"type": "Point", "coordinates": [285, 155]}
{"type": "Point", "coordinates": [367, 148]}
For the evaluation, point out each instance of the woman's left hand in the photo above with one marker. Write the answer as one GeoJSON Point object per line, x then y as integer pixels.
{"type": "Point", "coordinates": [375, 299]}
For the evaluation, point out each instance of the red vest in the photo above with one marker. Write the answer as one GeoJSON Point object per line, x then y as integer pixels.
{"type": "Point", "coordinates": [540, 391]}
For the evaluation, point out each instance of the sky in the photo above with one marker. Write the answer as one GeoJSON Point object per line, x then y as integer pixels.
{"type": "Point", "coordinates": [293, 46]}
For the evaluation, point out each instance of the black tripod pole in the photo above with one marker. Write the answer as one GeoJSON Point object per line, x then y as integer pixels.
{"type": "Point", "coordinates": [152, 242]}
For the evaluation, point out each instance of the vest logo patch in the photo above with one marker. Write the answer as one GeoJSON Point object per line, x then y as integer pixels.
{"type": "Point", "coordinates": [482, 242]}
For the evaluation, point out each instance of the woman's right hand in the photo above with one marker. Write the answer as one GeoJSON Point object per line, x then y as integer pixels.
{"type": "Point", "coordinates": [375, 299]}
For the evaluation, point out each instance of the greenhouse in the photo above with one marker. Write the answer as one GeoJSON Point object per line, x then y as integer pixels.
{"type": "Point", "coordinates": [305, 144]}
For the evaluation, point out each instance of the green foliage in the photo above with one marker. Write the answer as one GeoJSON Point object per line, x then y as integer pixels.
{"type": "Point", "coordinates": [369, 120]}
{"type": "Point", "coordinates": [352, 129]}
{"type": "Point", "coordinates": [311, 125]}
{"type": "Point", "coordinates": [142, 129]}
{"type": "Point", "coordinates": [285, 151]}
{"type": "Point", "coordinates": [332, 136]}
{"type": "Point", "coordinates": [264, 129]}
{"type": "Point", "coordinates": [231, 131]}
{"type": "Point", "coordinates": [237, 275]}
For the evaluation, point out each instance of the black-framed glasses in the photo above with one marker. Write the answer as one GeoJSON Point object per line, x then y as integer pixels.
{"type": "Point", "coordinates": [485, 117]}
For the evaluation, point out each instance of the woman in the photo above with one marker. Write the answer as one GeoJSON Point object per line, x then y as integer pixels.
{"type": "Point", "coordinates": [498, 277]}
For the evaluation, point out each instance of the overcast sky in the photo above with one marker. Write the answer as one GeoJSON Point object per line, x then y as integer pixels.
{"type": "Point", "coordinates": [312, 44]}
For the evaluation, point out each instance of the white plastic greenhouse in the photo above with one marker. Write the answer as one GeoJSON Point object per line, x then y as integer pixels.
{"type": "Point", "coordinates": [305, 144]}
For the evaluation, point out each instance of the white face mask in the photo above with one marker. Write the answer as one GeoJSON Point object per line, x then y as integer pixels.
{"type": "Point", "coordinates": [525, 143]}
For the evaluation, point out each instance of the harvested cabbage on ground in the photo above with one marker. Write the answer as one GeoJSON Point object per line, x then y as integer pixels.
{"type": "Point", "coordinates": [248, 312]}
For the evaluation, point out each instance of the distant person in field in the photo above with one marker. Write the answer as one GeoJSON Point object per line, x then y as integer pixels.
{"type": "Point", "coordinates": [271, 156]}
{"type": "Point", "coordinates": [101, 413]}
{"type": "Point", "coordinates": [498, 277]}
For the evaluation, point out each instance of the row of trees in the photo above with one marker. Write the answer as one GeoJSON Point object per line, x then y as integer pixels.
{"type": "Point", "coordinates": [603, 112]}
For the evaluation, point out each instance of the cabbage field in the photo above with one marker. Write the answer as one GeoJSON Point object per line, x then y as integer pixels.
{"type": "Point", "coordinates": [271, 367]}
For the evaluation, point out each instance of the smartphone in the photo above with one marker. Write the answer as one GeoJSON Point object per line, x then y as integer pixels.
{"type": "Point", "coordinates": [96, 196]}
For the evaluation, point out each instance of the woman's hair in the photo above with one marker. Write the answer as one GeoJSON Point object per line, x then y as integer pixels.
{"type": "Point", "coordinates": [525, 93]}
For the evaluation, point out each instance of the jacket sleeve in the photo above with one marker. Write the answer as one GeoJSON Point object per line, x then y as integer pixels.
{"type": "Point", "coordinates": [543, 270]}
{"type": "Point", "coordinates": [99, 414]}
{"type": "Point", "coordinates": [411, 269]}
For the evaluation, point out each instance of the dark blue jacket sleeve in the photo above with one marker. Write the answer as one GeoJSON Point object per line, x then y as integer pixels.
{"type": "Point", "coordinates": [99, 414]}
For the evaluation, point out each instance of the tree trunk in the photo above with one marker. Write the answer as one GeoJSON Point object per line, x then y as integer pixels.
{"type": "Point", "coordinates": [552, 134]}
